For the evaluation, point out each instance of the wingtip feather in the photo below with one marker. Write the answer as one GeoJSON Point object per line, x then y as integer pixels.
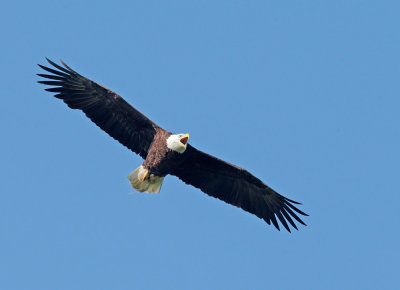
{"type": "Point", "coordinates": [283, 221]}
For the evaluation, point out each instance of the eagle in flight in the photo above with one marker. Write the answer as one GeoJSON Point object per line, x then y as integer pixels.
{"type": "Point", "coordinates": [167, 153]}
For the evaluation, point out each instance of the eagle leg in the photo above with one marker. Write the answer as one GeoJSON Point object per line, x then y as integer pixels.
{"type": "Point", "coordinates": [143, 181]}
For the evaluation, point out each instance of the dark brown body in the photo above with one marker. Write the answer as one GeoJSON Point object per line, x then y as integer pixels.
{"type": "Point", "coordinates": [160, 160]}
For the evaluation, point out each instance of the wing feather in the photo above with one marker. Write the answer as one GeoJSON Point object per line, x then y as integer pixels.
{"type": "Point", "coordinates": [238, 187]}
{"type": "Point", "coordinates": [104, 107]}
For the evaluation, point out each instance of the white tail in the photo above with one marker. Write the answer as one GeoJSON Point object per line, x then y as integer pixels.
{"type": "Point", "coordinates": [150, 184]}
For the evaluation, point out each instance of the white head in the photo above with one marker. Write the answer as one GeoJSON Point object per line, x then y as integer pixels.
{"type": "Point", "coordinates": [177, 142]}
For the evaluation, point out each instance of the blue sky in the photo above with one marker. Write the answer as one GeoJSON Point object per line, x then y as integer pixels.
{"type": "Point", "coordinates": [304, 94]}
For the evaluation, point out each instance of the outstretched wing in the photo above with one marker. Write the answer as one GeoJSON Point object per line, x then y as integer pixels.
{"type": "Point", "coordinates": [104, 107]}
{"type": "Point", "coordinates": [238, 187]}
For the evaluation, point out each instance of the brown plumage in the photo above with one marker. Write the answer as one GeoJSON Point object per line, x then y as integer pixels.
{"type": "Point", "coordinates": [131, 128]}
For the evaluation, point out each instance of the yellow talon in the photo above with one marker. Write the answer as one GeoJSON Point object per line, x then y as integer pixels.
{"type": "Point", "coordinates": [145, 175]}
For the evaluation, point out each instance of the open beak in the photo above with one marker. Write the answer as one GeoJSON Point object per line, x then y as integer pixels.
{"type": "Point", "coordinates": [184, 139]}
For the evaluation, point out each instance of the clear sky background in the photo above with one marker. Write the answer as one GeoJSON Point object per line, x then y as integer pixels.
{"type": "Point", "coordinates": [304, 94]}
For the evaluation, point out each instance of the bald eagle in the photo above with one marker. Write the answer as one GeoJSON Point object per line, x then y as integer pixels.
{"type": "Point", "coordinates": [167, 153]}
